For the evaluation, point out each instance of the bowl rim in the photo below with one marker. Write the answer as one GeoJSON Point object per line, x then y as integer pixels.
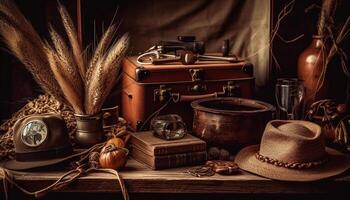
{"type": "Point", "coordinates": [196, 105]}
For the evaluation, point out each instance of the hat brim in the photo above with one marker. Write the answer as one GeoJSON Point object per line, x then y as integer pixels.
{"type": "Point", "coordinates": [29, 165]}
{"type": "Point", "coordinates": [336, 164]}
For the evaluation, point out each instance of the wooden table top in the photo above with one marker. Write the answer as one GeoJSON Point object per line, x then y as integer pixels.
{"type": "Point", "coordinates": [140, 179]}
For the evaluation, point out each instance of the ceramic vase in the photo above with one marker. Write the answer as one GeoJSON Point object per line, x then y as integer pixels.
{"type": "Point", "coordinates": [310, 66]}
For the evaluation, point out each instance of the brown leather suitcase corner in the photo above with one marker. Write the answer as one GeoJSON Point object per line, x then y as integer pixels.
{"type": "Point", "coordinates": [147, 88]}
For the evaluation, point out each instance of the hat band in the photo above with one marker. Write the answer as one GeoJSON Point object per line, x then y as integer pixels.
{"type": "Point", "coordinates": [44, 155]}
{"type": "Point", "coordinates": [294, 165]}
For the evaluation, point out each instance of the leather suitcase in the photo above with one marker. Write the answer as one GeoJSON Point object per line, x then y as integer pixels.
{"type": "Point", "coordinates": [149, 90]}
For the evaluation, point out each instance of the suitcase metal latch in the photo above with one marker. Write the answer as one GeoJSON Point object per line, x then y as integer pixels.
{"type": "Point", "coordinates": [162, 94]}
{"type": "Point", "coordinates": [231, 89]}
{"type": "Point", "coordinates": [198, 88]}
{"type": "Point", "coordinates": [197, 74]}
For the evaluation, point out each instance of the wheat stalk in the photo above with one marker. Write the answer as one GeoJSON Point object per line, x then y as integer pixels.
{"type": "Point", "coordinates": [100, 50]}
{"type": "Point", "coordinates": [104, 75]}
{"type": "Point", "coordinates": [92, 94]}
{"type": "Point", "coordinates": [73, 38]}
{"type": "Point", "coordinates": [117, 53]}
{"type": "Point", "coordinates": [65, 84]}
{"type": "Point", "coordinates": [16, 18]}
{"type": "Point", "coordinates": [61, 70]}
{"type": "Point", "coordinates": [112, 63]}
{"type": "Point", "coordinates": [33, 59]}
{"type": "Point", "coordinates": [68, 66]}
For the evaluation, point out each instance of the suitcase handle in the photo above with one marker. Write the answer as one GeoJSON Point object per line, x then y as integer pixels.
{"type": "Point", "coordinates": [186, 98]}
{"type": "Point", "coordinates": [164, 93]}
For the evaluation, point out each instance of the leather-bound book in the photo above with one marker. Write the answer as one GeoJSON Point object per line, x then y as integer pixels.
{"type": "Point", "coordinates": [169, 161]}
{"type": "Point", "coordinates": [155, 146]}
{"type": "Point", "coordinates": [157, 153]}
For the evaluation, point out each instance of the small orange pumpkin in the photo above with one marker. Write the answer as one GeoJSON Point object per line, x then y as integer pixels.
{"type": "Point", "coordinates": [113, 157]}
{"type": "Point", "coordinates": [117, 142]}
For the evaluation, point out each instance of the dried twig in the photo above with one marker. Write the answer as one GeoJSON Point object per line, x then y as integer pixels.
{"type": "Point", "coordinates": [287, 9]}
{"type": "Point", "coordinates": [340, 37]}
{"type": "Point", "coordinates": [328, 7]}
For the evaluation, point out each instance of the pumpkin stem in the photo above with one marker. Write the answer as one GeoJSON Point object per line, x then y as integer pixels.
{"type": "Point", "coordinates": [110, 148]}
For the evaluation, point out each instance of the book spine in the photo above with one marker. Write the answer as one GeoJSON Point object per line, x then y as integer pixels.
{"type": "Point", "coordinates": [179, 149]}
{"type": "Point", "coordinates": [179, 160]}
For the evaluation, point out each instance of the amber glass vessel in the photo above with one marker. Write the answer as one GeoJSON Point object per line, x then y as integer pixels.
{"type": "Point", "coordinates": [310, 66]}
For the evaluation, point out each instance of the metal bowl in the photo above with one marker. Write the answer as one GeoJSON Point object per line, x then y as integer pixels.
{"type": "Point", "coordinates": [229, 122]}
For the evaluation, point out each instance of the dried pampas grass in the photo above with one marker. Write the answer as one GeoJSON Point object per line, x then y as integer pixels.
{"type": "Point", "coordinates": [61, 69]}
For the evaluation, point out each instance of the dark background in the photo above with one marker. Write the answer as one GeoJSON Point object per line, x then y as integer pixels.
{"type": "Point", "coordinates": [17, 85]}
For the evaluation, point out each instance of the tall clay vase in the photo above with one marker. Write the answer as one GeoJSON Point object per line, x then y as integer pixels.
{"type": "Point", "coordinates": [89, 129]}
{"type": "Point", "coordinates": [310, 66]}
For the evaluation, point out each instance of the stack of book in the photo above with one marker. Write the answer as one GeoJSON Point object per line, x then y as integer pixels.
{"type": "Point", "coordinates": [157, 153]}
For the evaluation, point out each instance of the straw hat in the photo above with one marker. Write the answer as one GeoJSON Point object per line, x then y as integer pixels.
{"type": "Point", "coordinates": [292, 151]}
